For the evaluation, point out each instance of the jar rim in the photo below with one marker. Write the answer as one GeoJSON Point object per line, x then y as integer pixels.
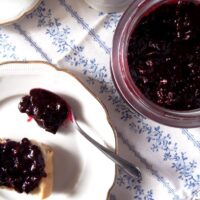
{"type": "Point", "coordinates": [124, 82]}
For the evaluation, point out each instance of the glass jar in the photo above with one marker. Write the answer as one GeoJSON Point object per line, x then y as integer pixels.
{"type": "Point", "coordinates": [122, 77]}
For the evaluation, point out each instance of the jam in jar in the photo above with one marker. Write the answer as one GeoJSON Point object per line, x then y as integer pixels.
{"type": "Point", "coordinates": [164, 55]}
{"type": "Point", "coordinates": [155, 61]}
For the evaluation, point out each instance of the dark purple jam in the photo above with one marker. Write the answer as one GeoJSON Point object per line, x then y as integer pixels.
{"type": "Point", "coordinates": [48, 109]}
{"type": "Point", "coordinates": [164, 55]}
{"type": "Point", "coordinates": [21, 165]}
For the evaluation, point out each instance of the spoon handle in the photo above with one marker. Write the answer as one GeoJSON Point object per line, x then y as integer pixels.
{"type": "Point", "coordinates": [127, 166]}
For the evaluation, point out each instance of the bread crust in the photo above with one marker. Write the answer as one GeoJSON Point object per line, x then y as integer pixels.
{"type": "Point", "coordinates": [46, 184]}
{"type": "Point", "coordinates": [45, 187]}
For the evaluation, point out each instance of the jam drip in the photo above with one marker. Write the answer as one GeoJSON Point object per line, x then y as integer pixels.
{"type": "Point", "coordinates": [164, 55]}
{"type": "Point", "coordinates": [21, 165]}
{"type": "Point", "coordinates": [48, 109]}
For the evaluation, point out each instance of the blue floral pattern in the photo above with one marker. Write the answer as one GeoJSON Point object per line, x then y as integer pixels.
{"type": "Point", "coordinates": [180, 162]}
{"type": "Point", "coordinates": [149, 167]}
{"type": "Point", "coordinates": [7, 49]}
{"type": "Point", "coordinates": [54, 30]}
{"type": "Point", "coordinates": [58, 34]}
{"type": "Point", "coordinates": [131, 184]}
{"type": "Point", "coordinates": [111, 21]}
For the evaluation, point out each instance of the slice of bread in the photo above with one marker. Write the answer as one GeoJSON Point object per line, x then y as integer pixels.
{"type": "Point", "coordinates": [46, 184]}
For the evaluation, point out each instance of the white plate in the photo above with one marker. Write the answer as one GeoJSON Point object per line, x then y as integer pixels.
{"type": "Point", "coordinates": [12, 10]}
{"type": "Point", "coordinates": [81, 171]}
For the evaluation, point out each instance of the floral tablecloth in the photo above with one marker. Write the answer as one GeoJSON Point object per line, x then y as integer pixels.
{"type": "Point", "coordinates": [71, 35]}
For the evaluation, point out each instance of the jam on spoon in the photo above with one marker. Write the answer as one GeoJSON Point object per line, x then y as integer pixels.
{"type": "Point", "coordinates": [48, 109]}
{"type": "Point", "coordinates": [37, 106]}
{"type": "Point", "coordinates": [21, 165]}
{"type": "Point", "coordinates": [164, 55]}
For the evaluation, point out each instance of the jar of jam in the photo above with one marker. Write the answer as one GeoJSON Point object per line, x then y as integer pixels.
{"type": "Point", "coordinates": [155, 60]}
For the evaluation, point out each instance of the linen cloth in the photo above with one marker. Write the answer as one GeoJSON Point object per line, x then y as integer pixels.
{"type": "Point", "coordinates": [73, 36]}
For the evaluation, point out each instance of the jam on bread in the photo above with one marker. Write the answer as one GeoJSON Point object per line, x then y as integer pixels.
{"type": "Point", "coordinates": [22, 165]}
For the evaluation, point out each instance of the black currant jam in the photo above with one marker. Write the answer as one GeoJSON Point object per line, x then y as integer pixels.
{"type": "Point", "coordinates": [48, 109]}
{"type": "Point", "coordinates": [164, 55]}
{"type": "Point", "coordinates": [21, 165]}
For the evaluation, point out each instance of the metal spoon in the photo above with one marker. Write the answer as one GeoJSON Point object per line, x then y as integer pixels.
{"type": "Point", "coordinates": [124, 164]}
